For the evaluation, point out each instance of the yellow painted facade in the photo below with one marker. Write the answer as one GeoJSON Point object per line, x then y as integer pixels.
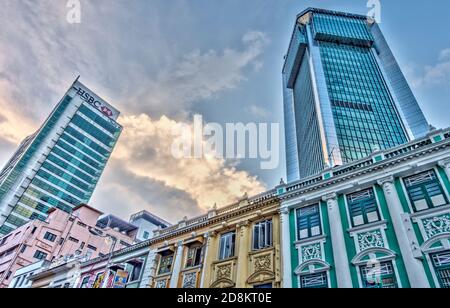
{"type": "Point", "coordinates": [190, 254]}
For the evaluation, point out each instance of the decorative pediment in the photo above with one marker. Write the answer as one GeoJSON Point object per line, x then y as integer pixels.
{"type": "Point", "coordinates": [312, 266]}
{"type": "Point", "coordinates": [260, 277]}
{"type": "Point", "coordinates": [376, 253]}
{"type": "Point", "coordinates": [437, 243]}
{"type": "Point", "coordinates": [223, 283]}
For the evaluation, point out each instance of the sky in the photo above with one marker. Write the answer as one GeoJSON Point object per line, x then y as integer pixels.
{"type": "Point", "coordinates": [161, 62]}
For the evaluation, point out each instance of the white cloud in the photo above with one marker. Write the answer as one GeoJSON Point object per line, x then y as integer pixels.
{"type": "Point", "coordinates": [143, 73]}
{"type": "Point", "coordinates": [145, 151]}
{"type": "Point", "coordinates": [258, 111]}
{"type": "Point", "coordinates": [431, 75]}
{"type": "Point", "coordinates": [444, 55]}
{"type": "Point", "coordinates": [201, 75]}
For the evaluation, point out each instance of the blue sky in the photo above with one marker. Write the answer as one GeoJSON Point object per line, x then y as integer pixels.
{"type": "Point", "coordinates": [160, 62]}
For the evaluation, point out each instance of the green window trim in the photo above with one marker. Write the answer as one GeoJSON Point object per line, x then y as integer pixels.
{"type": "Point", "coordinates": [363, 208]}
{"type": "Point", "coordinates": [425, 191]}
{"type": "Point", "coordinates": [379, 276]}
{"type": "Point", "coordinates": [314, 281]}
{"type": "Point", "coordinates": [309, 222]}
{"type": "Point", "coordinates": [441, 263]}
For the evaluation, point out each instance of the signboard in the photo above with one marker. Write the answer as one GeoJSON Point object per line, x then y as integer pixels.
{"type": "Point", "coordinates": [90, 97]}
{"type": "Point", "coordinates": [120, 280]}
{"type": "Point", "coordinates": [98, 283]}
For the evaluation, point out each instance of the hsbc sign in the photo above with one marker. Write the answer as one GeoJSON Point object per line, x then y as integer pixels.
{"type": "Point", "coordinates": [96, 102]}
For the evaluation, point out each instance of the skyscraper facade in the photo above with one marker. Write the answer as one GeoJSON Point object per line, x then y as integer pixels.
{"type": "Point", "coordinates": [59, 165]}
{"type": "Point", "coordinates": [344, 93]}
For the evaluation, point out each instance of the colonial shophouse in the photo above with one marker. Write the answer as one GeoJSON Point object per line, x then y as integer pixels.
{"type": "Point", "coordinates": [383, 221]}
{"type": "Point", "coordinates": [236, 246]}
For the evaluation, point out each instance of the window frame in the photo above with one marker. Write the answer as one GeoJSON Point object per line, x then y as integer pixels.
{"type": "Point", "coordinates": [267, 234]}
{"type": "Point", "coordinates": [393, 275]}
{"type": "Point", "coordinates": [225, 256]}
{"type": "Point", "coordinates": [438, 268]}
{"type": "Point", "coordinates": [325, 285]}
{"type": "Point", "coordinates": [168, 266]}
{"type": "Point", "coordinates": [319, 214]}
{"type": "Point", "coordinates": [422, 185]}
{"type": "Point", "coordinates": [198, 249]}
{"type": "Point", "coordinates": [48, 236]}
{"type": "Point", "coordinates": [364, 211]}
{"type": "Point", "coordinates": [85, 282]}
{"type": "Point", "coordinates": [131, 269]}
{"type": "Point", "coordinates": [38, 254]}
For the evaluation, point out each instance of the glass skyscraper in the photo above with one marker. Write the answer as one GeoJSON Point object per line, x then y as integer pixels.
{"type": "Point", "coordinates": [59, 165]}
{"type": "Point", "coordinates": [344, 93]}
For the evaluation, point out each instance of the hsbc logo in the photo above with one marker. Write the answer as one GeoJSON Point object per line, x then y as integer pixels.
{"type": "Point", "coordinates": [94, 102]}
{"type": "Point", "coordinates": [106, 111]}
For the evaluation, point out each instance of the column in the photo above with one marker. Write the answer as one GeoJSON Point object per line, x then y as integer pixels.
{"type": "Point", "coordinates": [341, 261]}
{"type": "Point", "coordinates": [445, 164]}
{"type": "Point", "coordinates": [177, 266]}
{"type": "Point", "coordinates": [210, 255]}
{"type": "Point", "coordinates": [414, 267]}
{"type": "Point", "coordinates": [149, 271]}
{"type": "Point", "coordinates": [243, 250]}
{"type": "Point", "coordinates": [286, 248]}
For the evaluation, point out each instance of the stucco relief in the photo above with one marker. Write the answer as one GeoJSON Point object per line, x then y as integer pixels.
{"type": "Point", "coordinates": [437, 225]}
{"type": "Point", "coordinates": [372, 239]}
{"type": "Point", "coordinates": [311, 252]}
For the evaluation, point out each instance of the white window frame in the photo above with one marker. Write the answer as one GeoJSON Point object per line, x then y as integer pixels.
{"type": "Point", "coordinates": [265, 238]}
{"type": "Point", "coordinates": [227, 237]}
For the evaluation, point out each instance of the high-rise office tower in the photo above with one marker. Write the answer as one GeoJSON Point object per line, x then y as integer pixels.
{"type": "Point", "coordinates": [344, 93]}
{"type": "Point", "coordinates": [59, 165]}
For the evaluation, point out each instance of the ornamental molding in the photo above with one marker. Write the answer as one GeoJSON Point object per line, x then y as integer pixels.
{"type": "Point", "coordinates": [284, 211]}
{"type": "Point", "coordinates": [223, 283]}
{"type": "Point", "coordinates": [306, 241]}
{"type": "Point", "coordinates": [161, 284]}
{"type": "Point", "coordinates": [387, 180]}
{"type": "Point", "coordinates": [445, 163]}
{"type": "Point", "coordinates": [224, 271]}
{"type": "Point", "coordinates": [372, 252]}
{"type": "Point", "coordinates": [330, 197]}
{"type": "Point", "coordinates": [311, 252]}
{"type": "Point", "coordinates": [271, 202]}
{"type": "Point", "coordinates": [190, 281]}
{"type": "Point", "coordinates": [430, 213]}
{"type": "Point", "coordinates": [261, 277]}
{"type": "Point", "coordinates": [263, 263]}
{"type": "Point", "coordinates": [368, 227]}
{"type": "Point", "coordinates": [309, 265]}
{"type": "Point", "coordinates": [436, 225]}
{"type": "Point", "coordinates": [371, 239]}
{"type": "Point", "coordinates": [369, 170]}
{"type": "Point", "coordinates": [442, 239]}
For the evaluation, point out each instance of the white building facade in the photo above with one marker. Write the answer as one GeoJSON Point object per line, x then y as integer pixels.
{"type": "Point", "coordinates": [380, 222]}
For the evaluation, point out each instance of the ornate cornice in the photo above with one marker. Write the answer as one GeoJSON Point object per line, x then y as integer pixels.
{"type": "Point", "coordinates": [348, 177]}
{"type": "Point", "coordinates": [386, 180]}
{"type": "Point", "coordinates": [252, 207]}
{"type": "Point", "coordinates": [445, 163]}
{"type": "Point", "coordinates": [329, 197]}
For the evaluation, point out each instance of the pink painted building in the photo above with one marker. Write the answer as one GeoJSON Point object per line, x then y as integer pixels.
{"type": "Point", "coordinates": [84, 232]}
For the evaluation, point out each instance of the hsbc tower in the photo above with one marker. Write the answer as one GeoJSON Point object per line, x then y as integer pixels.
{"type": "Point", "coordinates": [60, 165]}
